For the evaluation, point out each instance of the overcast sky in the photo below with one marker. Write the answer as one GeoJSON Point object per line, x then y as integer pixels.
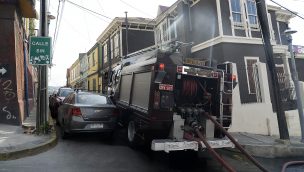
{"type": "Point", "coordinates": [79, 28]}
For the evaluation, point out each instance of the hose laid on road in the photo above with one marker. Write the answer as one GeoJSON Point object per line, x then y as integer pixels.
{"type": "Point", "coordinates": [254, 161]}
{"type": "Point", "coordinates": [291, 163]}
{"type": "Point", "coordinates": [212, 151]}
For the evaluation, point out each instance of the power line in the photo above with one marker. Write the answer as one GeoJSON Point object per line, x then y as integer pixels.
{"type": "Point", "coordinates": [136, 8]}
{"type": "Point", "coordinates": [56, 22]}
{"type": "Point", "coordinates": [58, 26]}
{"type": "Point", "coordinates": [287, 9]}
{"type": "Point", "coordinates": [79, 6]}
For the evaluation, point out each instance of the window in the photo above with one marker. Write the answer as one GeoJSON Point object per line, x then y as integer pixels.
{"type": "Point", "coordinates": [105, 53]}
{"type": "Point", "coordinates": [93, 59]}
{"type": "Point", "coordinates": [252, 12]}
{"type": "Point", "coordinates": [165, 32]}
{"type": "Point", "coordinates": [158, 35]}
{"type": "Point", "coordinates": [172, 29]}
{"type": "Point", "coordinates": [94, 84]}
{"type": "Point", "coordinates": [236, 11]}
{"type": "Point", "coordinates": [112, 47]}
{"type": "Point", "coordinates": [251, 78]}
{"type": "Point", "coordinates": [116, 45]}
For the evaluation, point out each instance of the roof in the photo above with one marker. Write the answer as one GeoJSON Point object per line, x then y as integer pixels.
{"type": "Point", "coordinates": [162, 9]}
{"type": "Point", "coordinates": [119, 21]}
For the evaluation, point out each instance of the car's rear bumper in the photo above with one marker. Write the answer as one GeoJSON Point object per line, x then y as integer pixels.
{"type": "Point", "coordinates": [78, 125]}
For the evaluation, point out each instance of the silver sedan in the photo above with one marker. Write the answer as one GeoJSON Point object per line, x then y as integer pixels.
{"type": "Point", "coordinates": [86, 112]}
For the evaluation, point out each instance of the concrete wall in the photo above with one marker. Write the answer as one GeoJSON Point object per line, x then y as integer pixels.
{"type": "Point", "coordinates": [259, 118]}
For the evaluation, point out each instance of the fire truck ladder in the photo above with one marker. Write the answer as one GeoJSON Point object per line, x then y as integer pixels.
{"type": "Point", "coordinates": [223, 93]}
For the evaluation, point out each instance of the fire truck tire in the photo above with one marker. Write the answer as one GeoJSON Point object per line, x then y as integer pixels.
{"type": "Point", "coordinates": [133, 139]}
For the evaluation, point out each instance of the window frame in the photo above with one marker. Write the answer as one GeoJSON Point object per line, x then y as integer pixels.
{"type": "Point", "coordinates": [105, 53]}
{"type": "Point", "coordinates": [247, 74]}
{"type": "Point", "coordinates": [251, 25]}
{"type": "Point", "coordinates": [237, 23]}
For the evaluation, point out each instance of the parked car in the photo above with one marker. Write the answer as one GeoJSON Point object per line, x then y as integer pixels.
{"type": "Point", "coordinates": [55, 100]}
{"type": "Point", "coordinates": [87, 112]}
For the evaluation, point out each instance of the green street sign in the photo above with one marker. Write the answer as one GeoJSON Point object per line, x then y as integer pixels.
{"type": "Point", "coordinates": [40, 50]}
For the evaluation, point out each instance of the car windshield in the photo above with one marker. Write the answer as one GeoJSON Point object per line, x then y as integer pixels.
{"type": "Point", "coordinates": [92, 99]}
{"type": "Point", "coordinates": [64, 93]}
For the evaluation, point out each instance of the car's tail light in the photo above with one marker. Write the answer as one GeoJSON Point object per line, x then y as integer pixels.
{"type": "Point", "coordinates": [76, 111]}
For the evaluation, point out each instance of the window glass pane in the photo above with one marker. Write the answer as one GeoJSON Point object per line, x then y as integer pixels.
{"type": "Point", "coordinates": [64, 93]}
{"type": "Point", "coordinates": [172, 29]}
{"type": "Point", "coordinates": [237, 17]}
{"type": "Point", "coordinates": [235, 5]}
{"type": "Point", "coordinates": [236, 10]}
{"type": "Point", "coordinates": [105, 53]}
{"type": "Point", "coordinates": [252, 11]}
{"type": "Point", "coordinates": [92, 99]}
{"type": "Point", "coordinates": [250, 75]}
{"type": "Point", "coordinates": [165, 32]}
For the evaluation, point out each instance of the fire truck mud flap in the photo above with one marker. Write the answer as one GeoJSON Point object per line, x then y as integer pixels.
{"type": "Point", "coordinates": [171, 145]}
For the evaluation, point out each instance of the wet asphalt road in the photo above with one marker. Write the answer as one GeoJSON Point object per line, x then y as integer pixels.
{"type": "Point", "coordinates": [97, 153]}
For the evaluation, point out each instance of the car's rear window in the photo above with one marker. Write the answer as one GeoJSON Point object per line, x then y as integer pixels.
{"type": "Point", "coordinates": [92, 99]}
{"type": "Point", "coordinates": [64, 93]}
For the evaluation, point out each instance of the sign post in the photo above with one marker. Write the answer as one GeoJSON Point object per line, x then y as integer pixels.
{"type": "Point", "coordinates": [40, 51]}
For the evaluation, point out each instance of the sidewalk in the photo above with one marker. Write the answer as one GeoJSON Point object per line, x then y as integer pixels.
{"type": "Point", "coordinates": [17, 142]}
{"type": "Point", "coordinates": [270, 146]}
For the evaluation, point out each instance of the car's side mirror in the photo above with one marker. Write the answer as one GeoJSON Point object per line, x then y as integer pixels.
{"type": "Point", "coordinates": [293, 166]}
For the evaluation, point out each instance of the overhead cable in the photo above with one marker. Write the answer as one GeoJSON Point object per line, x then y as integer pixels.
{"type": "Point", "coordinates": [137, 9]}
{"type": "Point", "coordinates": [287, 9]}
{"type": "Point", "coordinates": [79, 6]}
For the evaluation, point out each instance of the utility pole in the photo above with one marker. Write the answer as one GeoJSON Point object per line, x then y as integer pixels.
{"type": "Point", "coordinates": [127, 28]}
{"type": "Point", "coordinates": [41, 118]}
{"type": "Point", "coordinates": [263, 19]}
{"type": "Point", "coordinates": [296, 80]}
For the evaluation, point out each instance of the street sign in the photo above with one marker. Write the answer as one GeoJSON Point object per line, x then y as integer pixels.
{"type": "Point", "coordinates": [40, 50]}
{"type": "Point", "coordinates": [4, 70]}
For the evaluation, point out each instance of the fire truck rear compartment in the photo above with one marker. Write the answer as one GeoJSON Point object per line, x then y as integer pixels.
{"type": "Point", "coordinates": [193, 91]}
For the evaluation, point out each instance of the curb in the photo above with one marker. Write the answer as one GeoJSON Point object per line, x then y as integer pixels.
{"type": "Point", "coordinates": [272, 151]}
{"type": "Point", "coordinates": [16, 154]}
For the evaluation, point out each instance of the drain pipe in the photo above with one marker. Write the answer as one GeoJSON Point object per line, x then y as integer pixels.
{"type": "Point", "coordinates": [25, 80]}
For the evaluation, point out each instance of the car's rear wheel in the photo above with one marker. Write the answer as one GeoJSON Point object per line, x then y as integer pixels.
{"type": "Point", "coordinates": [63, 133]}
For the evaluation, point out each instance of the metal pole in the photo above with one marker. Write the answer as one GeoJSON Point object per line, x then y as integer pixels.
{"type": "Point", "coordinates": [42, 71]}
{"type": "Point", "coordinates": [297, 86]}
{"type": "Point", "coordinates": [127, 28]}
{"type": "Point", "coordinates": [263, 19]}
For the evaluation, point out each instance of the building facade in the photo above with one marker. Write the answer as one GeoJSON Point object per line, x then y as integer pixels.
{"type": "Point", "coordinates": [75, 74]}
{"type": "Point", "coordinates": [217, 31]}
{"type": "Point", "coordinates": [93, 82]}
{"type": "Point", "coordinates": [17, 77]}
{"type": "Point", "coordinates": [116, 44]}
{"type": "Point", "coordinates": [83, 60]}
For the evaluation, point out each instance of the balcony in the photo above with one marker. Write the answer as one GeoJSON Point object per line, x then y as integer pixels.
{"type": "Point", "coordinates": [27, 8]}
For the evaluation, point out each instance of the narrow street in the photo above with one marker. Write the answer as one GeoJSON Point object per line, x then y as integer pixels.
{"type": "Point", "coordinates": [97, 153]}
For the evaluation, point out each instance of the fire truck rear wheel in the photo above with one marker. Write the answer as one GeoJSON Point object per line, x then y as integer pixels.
{"type": "Point", "coordinates": [133, 139]}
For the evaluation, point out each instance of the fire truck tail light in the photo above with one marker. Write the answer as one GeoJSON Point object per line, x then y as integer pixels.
{"type": "Point", "coordinates": [161, 67]}
{"type": "Point", "coordinates": [233, 77]}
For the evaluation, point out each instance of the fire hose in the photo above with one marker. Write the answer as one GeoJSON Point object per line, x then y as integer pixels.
{"type": "Point", "coordinates": [213, 152]}
{"type": "Point", "coordinates": [291, 163]}
{"type": "Point", "coordinates": [237, 145]}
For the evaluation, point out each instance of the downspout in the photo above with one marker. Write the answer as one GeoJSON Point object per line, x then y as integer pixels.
{"type": "Point", "coordinates": [25, 80]}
